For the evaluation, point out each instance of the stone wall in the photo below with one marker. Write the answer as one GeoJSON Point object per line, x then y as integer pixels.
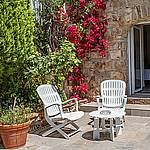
{"type": "Point", "coordinates": [124, 14]}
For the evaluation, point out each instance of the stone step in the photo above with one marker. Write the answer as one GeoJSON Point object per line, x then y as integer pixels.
{"type": "Point", "coordinates": [138, 110]}
{"type": "Point", "coordinates": [131, 109]}
{"type": "Point", "coordinates": [139, 100]}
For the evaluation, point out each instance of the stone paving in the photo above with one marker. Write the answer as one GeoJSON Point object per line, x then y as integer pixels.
{"type": "Point", "coordinates": [135, 136]}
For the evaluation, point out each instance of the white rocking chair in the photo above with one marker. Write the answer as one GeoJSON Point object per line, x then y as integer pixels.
{"type": "Point", "coordinates": [53, 111]}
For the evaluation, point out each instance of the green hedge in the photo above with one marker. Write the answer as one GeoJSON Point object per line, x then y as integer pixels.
{"type": "Point", "coordinates": [17, 46]}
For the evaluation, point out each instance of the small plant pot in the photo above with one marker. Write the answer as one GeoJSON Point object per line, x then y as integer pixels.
{"type": "Point", "coordinates": [14, 135]}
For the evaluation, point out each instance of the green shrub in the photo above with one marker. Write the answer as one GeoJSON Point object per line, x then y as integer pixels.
{"type": "Point", "coordinates": [53, 68]}
{"type": "Point", "coordinates": [22, 68]}
{"type": "Point", "coordinates": [16, 116]}
{"type": "Point", "coordinates": [17, 47]}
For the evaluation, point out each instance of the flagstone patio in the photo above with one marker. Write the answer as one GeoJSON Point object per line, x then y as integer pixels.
{"type": "Point", "coordinates": [136, 136]}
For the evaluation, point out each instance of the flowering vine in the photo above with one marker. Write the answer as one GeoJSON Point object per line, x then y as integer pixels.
{"type": "Point", "coordinates": [86, 27]}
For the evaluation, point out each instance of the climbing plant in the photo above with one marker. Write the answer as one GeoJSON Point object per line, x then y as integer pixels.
{"type": "Point", "coordinates": [86, 26]}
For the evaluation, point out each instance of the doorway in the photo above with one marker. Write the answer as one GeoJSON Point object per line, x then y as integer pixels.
{"type": "Point", "coordinates": [139, 59]}
{"type": "Point", "coordinates": [147, 57]}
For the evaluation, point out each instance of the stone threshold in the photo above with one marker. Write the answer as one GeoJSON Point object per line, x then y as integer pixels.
{"type": "Point", "coordinates": [139, 100]}
{"type": "Point", "coordinates": [131, 109]}
{"type": "Point", "coordinates": [138, 97]}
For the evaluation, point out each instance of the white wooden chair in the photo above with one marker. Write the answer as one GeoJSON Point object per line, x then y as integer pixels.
{"type": "Point", "coordinates": [53, 111]}
{"type": "Point", "coordinates": [113, 97]}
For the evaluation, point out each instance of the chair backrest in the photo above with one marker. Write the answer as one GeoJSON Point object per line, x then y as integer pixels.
{"type": "Point", "coordinates": [50, 98]}
{"type": "Point", "coordinates": [112, 93]}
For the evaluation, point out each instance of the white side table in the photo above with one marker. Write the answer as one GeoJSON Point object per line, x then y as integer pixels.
{"type": "Point", "coordinates": [105, 114]}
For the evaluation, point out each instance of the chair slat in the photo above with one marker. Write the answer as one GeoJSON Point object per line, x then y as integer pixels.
{"type": "Point", "coordinates": [113, 92]}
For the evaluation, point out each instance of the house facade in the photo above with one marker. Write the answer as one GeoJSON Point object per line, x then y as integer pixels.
{"type": "Point", "coordinates": [129, 48]}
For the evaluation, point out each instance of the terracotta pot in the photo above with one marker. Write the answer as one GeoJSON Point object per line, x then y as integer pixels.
{"type": "Point", "coordinates": [14, 135]}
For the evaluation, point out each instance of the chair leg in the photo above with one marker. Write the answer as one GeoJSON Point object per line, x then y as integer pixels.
{"type": "Point", "coordinates": [96, 129]}
{"type": "Point", "coordinates": [75, 125]}
{"type": "Point", "coordinates": [52, 130]}
{"type": "Point", "coordinates": [102, 123]}
{"type": "Point", "coordinates": [77, 129]}
{"type": "Point", "coordinates": [123, 121]}
{"type": "Point", "coordinates": [112, 136]}
{"type": "Point", "coordinates": [118, 124]}
{"type": "Point", "coordinates": [56, 128]}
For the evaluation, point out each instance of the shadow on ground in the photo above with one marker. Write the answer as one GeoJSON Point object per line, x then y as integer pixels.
{"type": "Point", "coordinates": [40, 130]}
{"type": "Point", "coordinates": [89, 136]}
{"type": "Point", "coordinates": [1, 144]}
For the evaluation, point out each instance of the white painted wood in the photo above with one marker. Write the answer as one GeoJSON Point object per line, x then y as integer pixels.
{"type": "Point", "coordinates": [142, 55]}
{"type": "Point", "coordinates": [53, 111]}
{"type": "Point", "coordinates": [132, 62]}
{"type": "Point", "coordinates": [129, 64]}
{"type": "Point", "coordinates": [140, 28]}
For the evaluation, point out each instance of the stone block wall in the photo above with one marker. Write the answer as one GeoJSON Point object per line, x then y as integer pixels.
{"type": "Point", "coordinates": [124, 14]}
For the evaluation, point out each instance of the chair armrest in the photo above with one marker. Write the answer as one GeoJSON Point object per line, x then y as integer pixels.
{"type": "Point", "coordinates": [99, 101]}
{"type": "Point", "coordinates": [125, 101]}
{"type": "Point", "coordinates": [125, 96]}
{"type": "Point", "coordinates": [58, 105]}
{"type": "Point", "coordinates": [72, 99]}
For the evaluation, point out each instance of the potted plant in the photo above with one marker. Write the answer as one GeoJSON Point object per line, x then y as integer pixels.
{"type": "Point", "coordinates": [14, 126]}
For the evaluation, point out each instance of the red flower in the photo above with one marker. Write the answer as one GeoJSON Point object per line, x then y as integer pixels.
{"type": "Point", "coordinates": [105, 53]}
{"type": "Point", "coordinates": [75, 69]}
{"type": "Point", "coordinates": [104, 31]}
{"type": "Point", "coordinates": [76, 88]}
{"type": "Point", "coordinates": [99, 4]}
{"type": "Point", "coordinates": [81, 35]}
{"type": "Point", "coordinates": [83, 88]}
{"type": "Point", "coordinates": [70, 78]}
{"type": "Point", "coordinates": [91, 31]}
{"type": "Point", "coordinates": [106, 22]}
{"type": "Point", "coordinates": [76, 96]}
{"type": "Point", "coordinates": [81, 1]}
{"type": "Point", "coordinates": [65, 21]}
{"type": "Point", "coordinates": [98, 35]}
